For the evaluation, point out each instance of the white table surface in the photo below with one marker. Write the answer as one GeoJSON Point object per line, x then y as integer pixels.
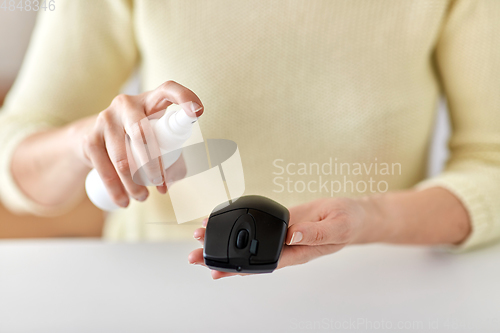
{"type": "Point", "coordinates": [92, 286]}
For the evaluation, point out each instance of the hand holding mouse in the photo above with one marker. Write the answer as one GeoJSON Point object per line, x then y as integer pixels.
{"type": "Point", "coordinates": [317, 228]}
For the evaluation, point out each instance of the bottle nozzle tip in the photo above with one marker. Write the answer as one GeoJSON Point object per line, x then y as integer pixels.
{"type": "Point", "coordinates": [182, 119]}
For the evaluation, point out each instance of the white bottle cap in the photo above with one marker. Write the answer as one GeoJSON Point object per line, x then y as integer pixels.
{"type": "Point", "coordinates": [180, 121]}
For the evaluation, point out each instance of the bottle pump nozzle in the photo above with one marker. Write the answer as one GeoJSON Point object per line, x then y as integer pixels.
{"type": "Point", "coordinates": [180, 120]}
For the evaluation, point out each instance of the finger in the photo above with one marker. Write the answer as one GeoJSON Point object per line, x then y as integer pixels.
{"type": "Point", "coordinates": [175, 172]}
{"type": "Point", "coordinates": [162, 189]}
{"type": "Point", "coordinates": [319, 233]}
{"type": "Point", "coordinates": [131, 161]}
{"type": "Point", "coordinates": [172, 92]}
{"type": "Point", "coordinates": [199, 234]}
{"type": "Point", "coordinates": [96, 151]}
{"type": "Point", "coordinates": [291, 255]}
{"type": "Point", "coordinates": [156, 115]}
{"type": "Point", "coordinates": [153, 167]}
{"type": "Point", "coordinates": [219, 275]}
{"type": "Point", "coordinates": [196, 257]}
{"type": "Point", "coordinates": [116, 145]}
{"type": "Point", "coordinates": [142, 138]}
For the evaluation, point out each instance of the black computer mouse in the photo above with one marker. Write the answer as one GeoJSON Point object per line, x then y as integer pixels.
{"type": "Point", "coordinates": [246, 235]}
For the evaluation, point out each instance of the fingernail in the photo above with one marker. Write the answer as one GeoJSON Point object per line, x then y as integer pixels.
{"type": "Point", "coordinates": [197, 234]}
{"type": "Point", "coordinates": [162, 189]}
{"type": "Point", "coordinates": [158, 181]}
{"type": "Point", "coordinates": [195, 107]}
{"type": "Point", "coordinates": [124, 203]}
{"type": "Point", "coordinates": [296, 237]}
{"type": "Point", "coordinates": [143, 197]}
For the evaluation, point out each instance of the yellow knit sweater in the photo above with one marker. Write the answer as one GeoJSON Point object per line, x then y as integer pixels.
{"type": "Point", "coordinates": [349, 83]}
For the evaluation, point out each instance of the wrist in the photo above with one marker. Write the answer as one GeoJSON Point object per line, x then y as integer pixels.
{"type": "Point", "coordinates": [75, 134]}
{"type": "Point", "coordinates": [427, 217]}
{"type": "Point", "coordinates": [375, 226]}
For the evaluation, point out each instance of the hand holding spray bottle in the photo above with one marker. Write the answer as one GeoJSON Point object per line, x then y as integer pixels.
{"type": "Point", "coordinates": [171, 131]}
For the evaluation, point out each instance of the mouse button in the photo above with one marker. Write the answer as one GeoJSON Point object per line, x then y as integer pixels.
{"type": "Point", "coordinates": [254, 202]}
{"type": "Point", "coordinates": [267, 205]}
{"type": "Point", "coordinates": [244, 222]}
{"type": "Point", "coordinates": [253, 246]}
{"type": "Point", "coordinates": [270, 232]}
{"type": "Point", "coordinates": [218, 232]}
{"type": "Point", "coordinates": [236, 253]}
{"type": "Point", "coordinates": [242, 239]}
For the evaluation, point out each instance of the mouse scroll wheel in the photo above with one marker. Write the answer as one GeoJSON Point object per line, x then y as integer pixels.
{"type": "Point", "coordinates": [242, 239]}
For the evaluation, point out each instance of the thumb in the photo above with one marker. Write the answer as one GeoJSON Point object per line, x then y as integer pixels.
{"type": "Point", "coordinates": [317, 233]}
{"type": "Point", "coordinates": [307, 233]}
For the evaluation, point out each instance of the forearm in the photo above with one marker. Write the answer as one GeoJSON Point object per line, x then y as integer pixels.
{"type": "Point", "coordinates": [428, 217]}
{"type": "Point", "coordinates": [46, 165]}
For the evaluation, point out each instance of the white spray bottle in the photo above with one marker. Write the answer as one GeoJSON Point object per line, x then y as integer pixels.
{"type": "Point", "coordinates": [171, 131]}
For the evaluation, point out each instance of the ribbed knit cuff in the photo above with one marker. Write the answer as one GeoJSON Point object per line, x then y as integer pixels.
{"type": "Point", "coordinates": [10, 193]}
{"type": "Point", "coordinates": [475, 204]}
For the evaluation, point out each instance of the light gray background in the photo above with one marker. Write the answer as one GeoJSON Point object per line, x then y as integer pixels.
{"type": "Point", "coordinates": [91, 286]}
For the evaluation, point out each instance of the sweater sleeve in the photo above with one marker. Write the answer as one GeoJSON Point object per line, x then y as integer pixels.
{"type": "Point", "coordinates": [79, 56]}
{"type": "Point", "coordinates": [468, 61]}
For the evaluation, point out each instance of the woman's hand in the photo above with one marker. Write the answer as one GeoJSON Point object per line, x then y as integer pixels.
{"type": "Point", "coordinates": [316, 229]}
{"type": "Point", "coordinates": [105, 146]}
